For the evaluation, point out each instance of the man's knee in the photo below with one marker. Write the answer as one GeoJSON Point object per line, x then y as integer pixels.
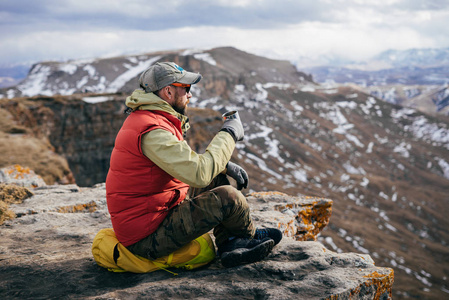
{"type": "Point", "coordinates": [230, 196]}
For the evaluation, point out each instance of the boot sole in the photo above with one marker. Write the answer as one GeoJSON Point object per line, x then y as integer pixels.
{"type": "Point", "coordinates": [246, 256]}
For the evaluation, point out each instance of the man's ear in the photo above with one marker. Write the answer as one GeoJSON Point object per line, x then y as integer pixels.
{"type": "Point", "coordinates": [166, 93]}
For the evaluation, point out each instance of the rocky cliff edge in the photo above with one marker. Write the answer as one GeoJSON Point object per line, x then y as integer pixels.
{"type": "Point", "coordinates": [46, 253]}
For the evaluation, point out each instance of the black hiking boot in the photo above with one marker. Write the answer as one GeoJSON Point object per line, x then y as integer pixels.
{"type": "Point", "coordinates": [240, 251]}
{"type": "Point", "coordinates": [272, 233]}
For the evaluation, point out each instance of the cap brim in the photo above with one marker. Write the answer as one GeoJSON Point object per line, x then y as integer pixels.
{"type": "Point", "coordinates": [190, 78]}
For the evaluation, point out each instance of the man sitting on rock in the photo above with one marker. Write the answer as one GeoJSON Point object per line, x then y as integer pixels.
{"type": "Point", "coordinates": [161, 194]}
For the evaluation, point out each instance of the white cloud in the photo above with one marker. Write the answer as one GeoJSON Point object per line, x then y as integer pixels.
{"type": "Point", "coordinates": [356, 29]}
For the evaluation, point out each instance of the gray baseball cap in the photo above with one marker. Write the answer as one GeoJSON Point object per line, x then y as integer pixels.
{"type": "Point", "coordinates": [162, 74]}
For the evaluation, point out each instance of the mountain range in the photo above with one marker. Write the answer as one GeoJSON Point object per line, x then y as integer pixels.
{"type": "Point", "coordinates": [416, 78]}
{"type": "Point", "coordinates": [422, 58]}
{"type": "Point", "coordinates": [385, 166]}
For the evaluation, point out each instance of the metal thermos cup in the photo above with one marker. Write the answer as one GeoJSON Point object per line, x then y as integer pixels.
{"type": "Point", "coordinates": [233, 114]}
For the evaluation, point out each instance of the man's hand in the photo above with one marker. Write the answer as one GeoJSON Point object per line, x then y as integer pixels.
{"type": "Point", "coordinates": [235, 128]}
{"type": "Point", "coordinates": [239, 174]}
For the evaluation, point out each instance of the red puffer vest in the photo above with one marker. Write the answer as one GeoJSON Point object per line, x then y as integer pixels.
{"type": "Point", "coordinates": [139, 193]}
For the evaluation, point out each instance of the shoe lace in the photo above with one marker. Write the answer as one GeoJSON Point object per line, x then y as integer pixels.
{"type": "Point", "coordinates": [261, 234]}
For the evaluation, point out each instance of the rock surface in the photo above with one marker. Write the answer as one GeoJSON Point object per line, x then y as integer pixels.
{"type": "Point", "coordinates": [45, 253]}
{"type": "Point", "coordinates": [11, 194]}
{"type": "Point", "coordinates": [21, 176]}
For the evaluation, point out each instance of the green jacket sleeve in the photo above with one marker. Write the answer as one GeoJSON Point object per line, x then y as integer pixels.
{"type": "Point", "coordinates": [180, 161]}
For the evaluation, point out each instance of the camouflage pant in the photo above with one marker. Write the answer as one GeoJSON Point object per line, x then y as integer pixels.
{"type": "Point", "coordinates": [219, 206]}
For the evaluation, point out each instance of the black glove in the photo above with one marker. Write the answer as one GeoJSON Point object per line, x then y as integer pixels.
{"type": "Point", "coordinates": [234, 127]}
{"type": "Point", "coordinates": [239, 174]}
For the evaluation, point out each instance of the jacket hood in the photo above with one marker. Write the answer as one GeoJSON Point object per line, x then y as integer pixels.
{"type": "Point", "coordinates": [139, 100]}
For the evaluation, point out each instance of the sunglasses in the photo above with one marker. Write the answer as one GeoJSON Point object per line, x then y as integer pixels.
{"type": "Point", "coordinates": [186, 86]}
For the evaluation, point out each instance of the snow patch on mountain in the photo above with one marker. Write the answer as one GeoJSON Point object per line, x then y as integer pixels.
{"type": "Point", "coordinates": [422, 128]}
{"type": "Point", "coordinates": [97, 99]}
{"type": "Point", "coordinates": [300, 175]}
{"type": "Point", "coordinates": [271, 144]}
{"type": "Point", "coordinates": [444, 165]}
{"type": "Point", "coordinates": [131, 73]}
{"type": "Point", "coordinates": [334, 114]}
{"type": "Point", "coordinates": [90, 70]}
{"type": "Point", "coordinates": [68, 68]}
{"type": "Point", "coordinates": [353, 170]}
{"type": "Point", "coordinates": [403, 148]}
{"type": "Point", "coordinates": [262, 165]}
{"type": "Point", "coordinates": [206, 57]}
{"type": "Point", "coordinates": [36, 80]}
{"type": "Point", "coordinates": [94, 76]}
{"type": "Point", "coordinates": [262, 95]}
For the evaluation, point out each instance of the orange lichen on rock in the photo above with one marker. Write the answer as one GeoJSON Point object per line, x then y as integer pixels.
{"type": "Point", "coordinates": [18, 172]}
{"type": "Point", "coordinates": [22, 176]}
{"type": "Point", "coordinates": [383, 283]}
{"type": "Point", "coordinates": [301, 217]}
{"type": "Point", "coordinates": [379, 285]}
{"type": "Point", "coordinates": [10, 194]}
{"type": "Point", "coordinates": [91, 207]}
{"type": "Point", "coordinates": [311, 216]}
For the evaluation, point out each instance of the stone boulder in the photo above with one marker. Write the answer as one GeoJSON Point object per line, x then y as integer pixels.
{"type": "Point", "coordinates": [21, 176]}
{"type": "Point", "coordinates": [46, 253]}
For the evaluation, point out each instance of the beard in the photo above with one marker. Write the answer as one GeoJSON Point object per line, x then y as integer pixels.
{"type": "Point", "coordinates": [180, 110]}
{"type": "Point", "coordinates": [177, 107]}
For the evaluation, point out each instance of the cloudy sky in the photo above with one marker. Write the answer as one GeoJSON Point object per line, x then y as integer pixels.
{"type": "Point", "coordinates": [36, 30]}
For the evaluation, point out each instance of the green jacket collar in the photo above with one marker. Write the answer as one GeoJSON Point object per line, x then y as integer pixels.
{"type": "Point", "coordinates": [139, 100]}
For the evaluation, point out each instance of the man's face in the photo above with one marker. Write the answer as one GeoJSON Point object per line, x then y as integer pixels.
{"type": "Point", "coordinates": [181, 99]}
